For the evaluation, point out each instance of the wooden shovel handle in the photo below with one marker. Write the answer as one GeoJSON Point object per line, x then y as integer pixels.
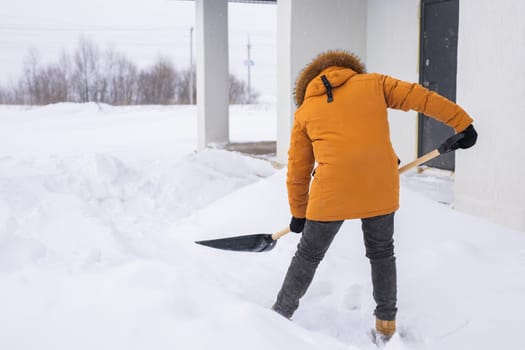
{"type": "Point", "coordinates": [404, 168]}
{"type": "Point", "coordinates": [419, 161]}
{"type": "Point", "coordinates": [281, 233]}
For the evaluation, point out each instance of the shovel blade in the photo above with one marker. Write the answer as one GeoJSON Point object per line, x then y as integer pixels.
{"type": "Point", "coordinates": [256, 243]}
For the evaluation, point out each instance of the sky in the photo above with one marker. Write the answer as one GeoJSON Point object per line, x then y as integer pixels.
{"type": "Point", "coordinates": [143, 29]}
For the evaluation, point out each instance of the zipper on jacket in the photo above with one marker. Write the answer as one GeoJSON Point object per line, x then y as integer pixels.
{"type": "Point", "coordinates": [328, 87]}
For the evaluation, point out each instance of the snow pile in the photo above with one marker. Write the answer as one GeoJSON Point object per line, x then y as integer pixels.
{"type": "Point", "coordinates": [76, 211]}
{"type": "Point", "coordinates": [99, 209]}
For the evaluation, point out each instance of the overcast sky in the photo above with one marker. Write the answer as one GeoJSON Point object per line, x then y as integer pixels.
{"type": "Point", "coordinates": [143, 29]}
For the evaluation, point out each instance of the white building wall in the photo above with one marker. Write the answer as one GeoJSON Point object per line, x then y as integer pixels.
{"type": "Point", "coordinates": [393, 49]}
{"type": "Point", "coordinates": [314, 27]}
{"type": "Point", "coordinates": [285, 105]}
{"type": "Point", "coordinates": [491, 86]}
{"type": "Point", "coordinates": [385, 34]}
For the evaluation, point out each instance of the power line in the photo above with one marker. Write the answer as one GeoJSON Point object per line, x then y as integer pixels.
{"type": "Point", "coordinates": [94, 28]}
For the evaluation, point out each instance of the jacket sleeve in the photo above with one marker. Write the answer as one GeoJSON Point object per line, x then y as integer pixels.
{"type": "Point", "coordinates": [403, 95]}
{"type": "Point", "coordinates": [300, 165]}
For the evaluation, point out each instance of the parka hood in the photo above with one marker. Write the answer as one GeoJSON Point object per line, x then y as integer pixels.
{"type": "Point", "coordinates": [334, 58]}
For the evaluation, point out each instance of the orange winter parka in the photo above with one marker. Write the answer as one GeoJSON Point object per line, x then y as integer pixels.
{"type": "Point", "coordinates": [341, 129]}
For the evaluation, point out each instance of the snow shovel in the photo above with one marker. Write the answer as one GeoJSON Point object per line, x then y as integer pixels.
{"type": "Point", "coordinates": [263, 242]}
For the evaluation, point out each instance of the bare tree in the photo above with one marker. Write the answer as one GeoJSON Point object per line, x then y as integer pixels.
{"type": "Point", "coordinates": [52, 84]}
{"type": "Point", "coordinates": [87, 75]}
{"type": "Point", "coordinates": [158, 84]}
{"type": "Point", "coordinates": [239, 92]}
{"type": "Point", "coordinates": [41, 85]}
{"type": "Point", "coordinates": [182, 94]}
{"type": "Point", "coordinates": [29, 81]}
{"type": "Point", "coordinates": [122, 77]}
{"type": "Point", "coordinates": [6, 96]}
{"type": "Point", "coordinates": [86, 72]}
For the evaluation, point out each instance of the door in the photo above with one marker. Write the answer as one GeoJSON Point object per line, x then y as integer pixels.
{"type": "Point", "coordinates": [438, 68]}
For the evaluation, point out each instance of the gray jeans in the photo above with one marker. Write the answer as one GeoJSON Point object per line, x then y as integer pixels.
{"type": "Point", "coordinates": [317, 236]}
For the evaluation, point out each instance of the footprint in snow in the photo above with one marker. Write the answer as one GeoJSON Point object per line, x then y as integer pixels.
{"type": "Point", "coordinates": [353, 297]}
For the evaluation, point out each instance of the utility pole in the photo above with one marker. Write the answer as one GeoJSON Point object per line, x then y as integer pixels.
{"type": "Point", "coordinates": [190, 88]}
{"type": "Point", "coordinates": [249, 63]}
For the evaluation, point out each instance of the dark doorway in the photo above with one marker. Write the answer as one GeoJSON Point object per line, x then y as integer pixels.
{"type": "Point", "coordinates": [438, 68]}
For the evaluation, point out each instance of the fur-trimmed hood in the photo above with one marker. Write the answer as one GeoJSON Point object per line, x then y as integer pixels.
{"type": "Point", "coordinates": [333, 58]}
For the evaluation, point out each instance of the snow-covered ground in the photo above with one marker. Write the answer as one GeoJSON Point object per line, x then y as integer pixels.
{"type": "Point", "coordinates": [100, 206]}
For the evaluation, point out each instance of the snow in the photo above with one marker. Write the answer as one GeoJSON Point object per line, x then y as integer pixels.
{"type": "Point", "coordinates": [100, 206]}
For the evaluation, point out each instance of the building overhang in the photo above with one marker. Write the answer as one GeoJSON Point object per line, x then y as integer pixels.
{"type": "Point", "coordinates": [247, 1]}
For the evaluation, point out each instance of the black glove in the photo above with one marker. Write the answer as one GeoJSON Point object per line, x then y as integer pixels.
{"type": "Point", "coordinates": [469, 138]}
{"type": "Point", "coordinates": [297, 225]}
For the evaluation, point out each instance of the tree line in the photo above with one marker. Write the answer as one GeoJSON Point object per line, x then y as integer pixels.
{"type": "Point", "coordinates": [92, 75]}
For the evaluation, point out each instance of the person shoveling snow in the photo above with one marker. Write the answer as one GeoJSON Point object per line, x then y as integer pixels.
{"type": "Point", "coordinates": [341, 124]}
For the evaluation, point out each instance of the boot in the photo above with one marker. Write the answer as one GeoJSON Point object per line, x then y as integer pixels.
{"type": "Point", "coordinates": [385, 328]}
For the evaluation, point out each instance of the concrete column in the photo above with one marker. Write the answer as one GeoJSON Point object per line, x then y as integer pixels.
{"type": "Point", "coordinates": [211, 29]}
{"type": "Point", "coordinates": [316, 26]}
{"type": "Point", "coordinates": [285, 80]}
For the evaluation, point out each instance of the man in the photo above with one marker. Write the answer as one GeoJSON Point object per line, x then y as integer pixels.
{"type": "Point", "coordinates": [341, 125]}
